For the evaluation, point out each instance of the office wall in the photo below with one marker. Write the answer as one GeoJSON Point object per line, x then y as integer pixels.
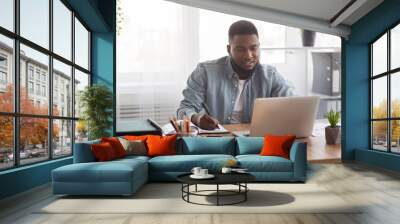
{"type": "Point", "coordinates": [355, 88]}
{"type": "Point", "coordinates": [103, 51]}
{"type": "Point", "coordinates": [100, 16]}
{"type": "Point", "coordinates": [103, 63]}
{"type": "Point", "coordinates": [24, 178]}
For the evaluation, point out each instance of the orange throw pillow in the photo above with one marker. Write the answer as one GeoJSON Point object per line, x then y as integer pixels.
{"type": "Point", "coordinates": [135, 138]}
{"type": "Point", "coordinates": [116, 145]}
{"type": "Point", "coordinates": [103, 152]}
{"type": "Point", "coordinates": [161, 145]}
{"type": "Point", "coordinates": [277, 145]}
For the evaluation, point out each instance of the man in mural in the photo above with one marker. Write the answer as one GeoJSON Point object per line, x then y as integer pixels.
{"type": "Point", "coordinates": [224, 90]}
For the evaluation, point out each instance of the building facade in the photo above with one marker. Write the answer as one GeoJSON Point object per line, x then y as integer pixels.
{"type": "Point", "coordinates": [34, 80]}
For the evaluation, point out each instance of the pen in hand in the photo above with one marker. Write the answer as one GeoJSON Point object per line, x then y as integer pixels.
{"type": "Point", "coordinates": [206, 108]}
{"type": "Point", "coordinates": [208, 117]}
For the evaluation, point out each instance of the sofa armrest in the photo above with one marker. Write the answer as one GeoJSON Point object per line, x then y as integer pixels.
{"type": "Point", "coordinates": [298, 155]}
{"type": "Point", "coordinates": [83, 152]}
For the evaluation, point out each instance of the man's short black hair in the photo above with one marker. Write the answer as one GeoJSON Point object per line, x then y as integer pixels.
{"type": "Point", "coordinates": [242, 27]}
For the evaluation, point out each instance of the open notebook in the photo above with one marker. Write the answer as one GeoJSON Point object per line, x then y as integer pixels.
{"type": "Point", "coordinates": [168, 129]}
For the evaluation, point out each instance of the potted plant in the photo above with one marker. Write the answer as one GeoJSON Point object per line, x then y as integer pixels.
{"type": "Point", "coordinates": [96, 102]}
{"type": "Point", "coordinates": [332, 132]}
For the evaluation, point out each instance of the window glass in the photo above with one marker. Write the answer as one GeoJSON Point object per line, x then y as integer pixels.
{"type": "Point", "coordinates": [81, 81]}
{"type": "Point", "coordinates": [39, 62]}
{"type": "Point", "coordinates": [395, 95]}
{"type": "Point", "coordinates": [395, 47]}
{"type": "Point", "coordinates": [30, 87]}
{"type": "Point", "coordinates": [33, 140]}
{"type": "Point", "coordinates": [62, 29]}
{"type": "Point", "coordinates": [81, 131]}
{"type": "Point", "coordinates": [379, 98]}
{"type": "Point", "coordinates": [7, 14]}
{"type": "Point", "coordinates": [62, 138]}
{"type": "Point", "coordinates": [395, 136]}
{"type": "Point", "coordinates": [34, 80]}
{"type": "Point", "coordinates": [34, 21]}
{"type": "Point", "coordinates": [62, 91]}
{"type": "Point", "coordinates": [81, 45]}
{"type": "Point", "coordinates": [379, 55]}
{"type": "Point", "coordinates": [379, 135]}
{"type": "Point", "coordinates": [6, 142]}
{"type": "Point", "coordinates": [6, 74]}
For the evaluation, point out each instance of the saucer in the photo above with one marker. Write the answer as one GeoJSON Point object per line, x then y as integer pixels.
{"type": "Point", "coordinates": [208, 176]}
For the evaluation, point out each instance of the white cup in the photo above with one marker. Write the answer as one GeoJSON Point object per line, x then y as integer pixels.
{"type": "Point", "coordinates": [203, 172]}
{"type": "Point", "coordinates": [196, 170]}
{"type": "Point", "coordinates": [226, 170]}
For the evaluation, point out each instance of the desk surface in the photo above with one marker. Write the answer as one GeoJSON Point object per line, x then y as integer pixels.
{"type": "Point", "coordinates": [317, 149]}
{"type": "Point", "coordinates": [136, 127]}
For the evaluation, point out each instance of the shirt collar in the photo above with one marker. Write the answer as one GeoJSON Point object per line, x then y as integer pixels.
{"type": "Point", "coordinates": [231, 73]}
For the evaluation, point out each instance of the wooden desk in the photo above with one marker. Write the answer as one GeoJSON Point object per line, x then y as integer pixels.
{"type": "Point", "coordinates": [317, 150]}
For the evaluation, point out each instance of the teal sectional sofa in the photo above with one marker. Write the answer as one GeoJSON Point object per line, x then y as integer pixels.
{"type": "Point", "coordinates": [125, 176]}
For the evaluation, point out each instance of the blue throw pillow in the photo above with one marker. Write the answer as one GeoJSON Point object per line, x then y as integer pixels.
{"type": "Point", "coordinates": [249, 145]}
{"type": "Point", "coordinates": [208, 145]}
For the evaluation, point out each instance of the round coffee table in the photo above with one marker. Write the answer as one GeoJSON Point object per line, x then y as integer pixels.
{"type": "Point", "coordinates": [238, 179]}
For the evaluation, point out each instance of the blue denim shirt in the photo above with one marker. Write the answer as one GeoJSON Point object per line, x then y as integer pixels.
{"type": "Point", "coordinates": [216, 84]}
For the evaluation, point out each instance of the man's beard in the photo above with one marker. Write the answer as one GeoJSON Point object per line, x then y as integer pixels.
{"type": "Point", "coordinates": [243, 73]}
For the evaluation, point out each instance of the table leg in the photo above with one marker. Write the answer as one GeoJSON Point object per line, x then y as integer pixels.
{"type": "Point", "coordinates": [182, 190]}
{"type": "Point", "coordinates": [245, 193]}
{"type": "Point", "coordinates": [188, 190]}
{"type": "Point", "coordinates": [196, 188]}
{"type": "Point", "coordinates": [217, 194]}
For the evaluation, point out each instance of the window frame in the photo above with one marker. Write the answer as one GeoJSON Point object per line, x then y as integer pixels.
{"type": "Point", "coordinates": [388, 74]}
{"type": "Point", "coordinates": [16, 114]}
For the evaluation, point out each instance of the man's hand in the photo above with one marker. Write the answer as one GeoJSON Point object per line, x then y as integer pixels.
{"type": "Point", "coordinates": [205, 121]}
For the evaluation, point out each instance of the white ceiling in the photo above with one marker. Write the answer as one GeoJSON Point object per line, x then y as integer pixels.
{"type": "Point", "coordinates": [306, 14]}
{"type": "Point", "coordinates": [320, 9]}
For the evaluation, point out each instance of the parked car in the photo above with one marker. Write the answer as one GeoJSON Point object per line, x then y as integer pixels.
{"type": "Point", "coordinates": [22, 155]}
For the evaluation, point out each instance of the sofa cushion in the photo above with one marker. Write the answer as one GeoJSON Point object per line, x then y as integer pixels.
{"type": "Point", "coordinates": [185, 163]}
{"type": "Point", "coordinates": [111, 171]}
{"type": "Point", "coordinates": [257, 163]}
{"type": "Point", "coordinates": [249, 145]}
{"type": "Point", "coordinates": [161, 145]}
{"type": "Point", "coordinates": [277, 145]}
{"type": "Point", "coordinates": [136, 137]}
{"type": "Point", "coordinates": [134, 147]}
{"type": "Point", "coordinates": [83, 152]}
{"type": "Point", "coordinates": [103, 152]}
{"type": "Point", "coordinates": [116, 145]}
{"type": "Point", "coordinates": [131, 158]}
{"type": "Point", "coordinates": [208, 145]}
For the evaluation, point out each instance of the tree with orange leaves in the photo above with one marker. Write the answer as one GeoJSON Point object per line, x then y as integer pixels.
{"type": "Point", "coordinates": [6, 122]}
{"type": "Point", "coordinates": [380, 127]}
{"type": "Point", "coordinates": [33, 130]}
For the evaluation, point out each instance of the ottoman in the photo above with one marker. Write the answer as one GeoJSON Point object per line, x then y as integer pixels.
{"type": "Point", "coordinates": [119, 177]}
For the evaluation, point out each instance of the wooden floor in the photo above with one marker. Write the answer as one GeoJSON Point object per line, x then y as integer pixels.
{"type": "Point", "coordinates": [377, 189]}
{"type": "Point", "coordinates": [319, 152]}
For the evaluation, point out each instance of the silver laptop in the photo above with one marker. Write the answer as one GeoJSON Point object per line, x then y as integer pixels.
{"type": "Point", "coordinates": [284, 115]}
